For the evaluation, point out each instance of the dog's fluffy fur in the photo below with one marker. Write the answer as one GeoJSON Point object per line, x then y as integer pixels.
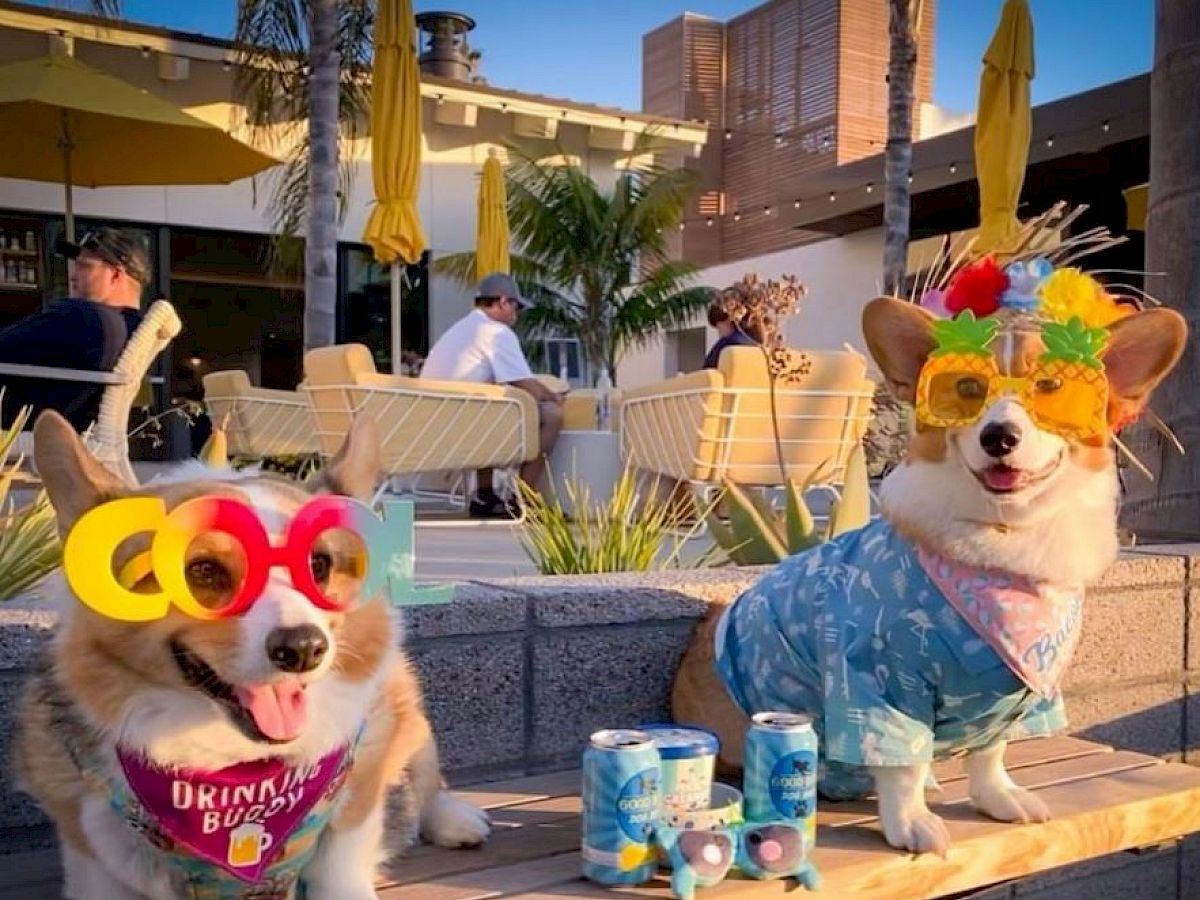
{"type": "Point", "coordinates": [107, 683]}
{"type": "Point", "coordinates": [1057, 527]}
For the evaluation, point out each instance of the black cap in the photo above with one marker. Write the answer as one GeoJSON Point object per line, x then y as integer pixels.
{"type": "Point", "coordinates": [498, 285]}
{"type": "Point", "coordinates": [120, 249]}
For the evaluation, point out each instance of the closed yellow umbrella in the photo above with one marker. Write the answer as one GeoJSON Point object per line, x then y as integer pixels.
{"type": "Point", "coordinates": [1003, 125]}
{"type": "Point", "coordinates": [394, 228]}
{"type": "Point", "coordinates": [66, 122]}
{"type": "Point", "coordinates": [491, 227]}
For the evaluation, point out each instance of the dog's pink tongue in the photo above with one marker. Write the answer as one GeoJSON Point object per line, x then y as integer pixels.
{"type": "Point", "coordinates": [1002, 478]}
{"type": "Point", "coordinates": [279, 709]}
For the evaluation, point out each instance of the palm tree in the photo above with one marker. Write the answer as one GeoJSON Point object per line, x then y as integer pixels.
{"type": "Point", "coordinates": [1168, 507]}
{"type": "Point", "coordinates": [595, 262]}
{"type": "Point", "coordinates": [305, 62]}
{"type": "Point", "coordinates": [904, 26]}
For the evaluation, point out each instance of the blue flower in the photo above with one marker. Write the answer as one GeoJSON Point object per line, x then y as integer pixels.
{"type": "Point", "coordinates": [1024, 279]}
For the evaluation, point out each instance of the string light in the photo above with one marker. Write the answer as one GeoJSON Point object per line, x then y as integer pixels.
{"type": "Point", "coordinates": [870, 187]}
{"type": "Point", "coordinates": [504, 108]}
{"type": "Point", "coordinates": [441, 98]}
{"type": "Point", "coordinates": [682, 225]}
{"type": "Point", "coordinates": [796, 203]}
{"type": "Point", "coordinates": [910, 177]}
{"type": "Point", "coordinates": [737, 217]}
{"type": "Point", "coordinates": [709, 221]}
{"type": "Point", "coordinates": [832, 197]}
{"type": "Point", "coordinates": [1050, 141]}
{"type": "Point", "coordinates": [953, 168]}
{"type": "Point", "coordinates": [728, 135]}
{"type": "Point", "coordinates": [766, 210]}
{"type": "Point", "coordinates": [778, 140]}
{"type": "Point", "coordinates": [1104, 126]}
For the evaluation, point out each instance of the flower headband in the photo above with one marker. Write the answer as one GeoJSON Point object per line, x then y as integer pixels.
{"type": "Point", "coordinates": [1066, 393]}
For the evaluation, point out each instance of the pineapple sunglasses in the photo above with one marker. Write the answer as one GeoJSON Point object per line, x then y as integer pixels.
{"type": "Point", "coordinates": [94, 540]}
{"type": "Point", "coordinates": [1064, 398]}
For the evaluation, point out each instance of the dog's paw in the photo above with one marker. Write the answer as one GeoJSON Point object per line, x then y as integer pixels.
{"type": "Point", "coordinates": [453, 823]}
{"type": "Point", "coordinates": [917, 831]}
{"type": "Point", "coordinates": [1010, 804]}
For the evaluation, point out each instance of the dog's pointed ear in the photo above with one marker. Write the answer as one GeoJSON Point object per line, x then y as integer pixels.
{"type": "Point", "coordinates": [900, 338]}
{"type": "Point", "coordinates": [1142, 350]}
{"type": "Point", "coordinates": [355, 470]}
{"type": "Point", "coordinates": [75, 482]}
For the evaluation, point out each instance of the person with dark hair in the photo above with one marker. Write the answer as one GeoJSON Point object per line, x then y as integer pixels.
{"type": "Point", "coordinates": [482, 347]}
{"type": "Point", "coordinates": [87, 330]}
{"type": "Point", "coordinates": [729, 334]}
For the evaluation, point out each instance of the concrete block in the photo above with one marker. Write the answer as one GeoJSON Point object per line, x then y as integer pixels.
{"type": "Point", "coordinates": [1129, 635]}
{"type": "Point", "coordinates": [24, 630]}
{"type": "Point", "coordinates": [17, 810]}
{"type": "Point", "coordinates": [475, 609]}
{"type": "Point", "coordinates": [1141, 569]}
{"type": "Point", "coordinates": [1121, 876]}
{"type": "Point", "coordinates": [600, 678]}
{"type": "Point", "coordinates": [474, 696]}
{"type": "Point", "coordinates": [634, 596]}
{"type": "Point", "coordinates": [1189, 868]}
{"type": "Point", "coordinates": [1146, 718]}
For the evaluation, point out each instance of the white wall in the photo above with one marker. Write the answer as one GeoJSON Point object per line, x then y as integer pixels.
{"type": "Point", "coordinates": [841, 275]}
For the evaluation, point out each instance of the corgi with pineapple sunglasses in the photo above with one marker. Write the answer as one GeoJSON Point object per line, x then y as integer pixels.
{"type": "Point", "coordinates": [1066, 393]}
{"type": "Point", "coordinates": [94, 540]}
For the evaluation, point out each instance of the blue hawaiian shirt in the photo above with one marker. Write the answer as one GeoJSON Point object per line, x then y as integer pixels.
{"type": "Point", "coordinates": [854, 633]}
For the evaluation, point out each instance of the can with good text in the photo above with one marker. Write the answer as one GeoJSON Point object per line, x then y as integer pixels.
{"type": "Point", "coordinates": [621, 801]}
{"type": "Point", "coordinates": [780, 781]}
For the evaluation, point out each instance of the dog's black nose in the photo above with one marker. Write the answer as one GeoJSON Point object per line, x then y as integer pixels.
{"type": "Point", "coordinates": [999, 438]}
{"type": "Point", "coordinates": [298, 649]}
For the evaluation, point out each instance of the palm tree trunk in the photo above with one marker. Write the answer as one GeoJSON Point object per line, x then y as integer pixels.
{"type": "Point", "coordinates": [1171, 505]}
{"type": "Point", "coordinates": [320, 249]}
{"type": "Point", "coordinates": [903, 26]}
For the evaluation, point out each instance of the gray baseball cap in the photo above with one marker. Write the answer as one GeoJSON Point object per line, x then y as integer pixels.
{"type": "Point", "coordinates": [118, 248]}
{"type": "Point", "coordinates": [499, 285]}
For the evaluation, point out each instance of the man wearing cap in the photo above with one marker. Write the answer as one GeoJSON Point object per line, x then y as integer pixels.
{"type": "Point", "coordinates": [87, 330]}
{"type": "Point", "coordinates": [483, 347]}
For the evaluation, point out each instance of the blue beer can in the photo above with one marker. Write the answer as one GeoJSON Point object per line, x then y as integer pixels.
{"type": "Point", "coordinates": [780, 779]}
{"type": "Point", "coordinates": [622, 797]}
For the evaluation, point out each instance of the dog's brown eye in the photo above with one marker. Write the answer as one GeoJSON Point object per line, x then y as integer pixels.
{"type": "Point", "coordinates": [321, 565]}
{"type": "Point", "coordinates": [208, 574]}
{"type": "Point", "coordinates": [971, 388]}
{"type": "Point", "coordinates": [1048, 385]}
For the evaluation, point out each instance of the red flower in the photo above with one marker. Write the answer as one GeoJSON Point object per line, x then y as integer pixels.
{"type": "Point", "coordinates": [977, 287]}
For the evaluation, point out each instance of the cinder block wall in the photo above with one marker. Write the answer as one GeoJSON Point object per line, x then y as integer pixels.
{"type": "Point", "coordinates": [518, 672]}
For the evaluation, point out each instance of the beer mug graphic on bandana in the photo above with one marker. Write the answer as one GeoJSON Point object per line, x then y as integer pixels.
{"type": "Point", "coordinates": [248, 844]}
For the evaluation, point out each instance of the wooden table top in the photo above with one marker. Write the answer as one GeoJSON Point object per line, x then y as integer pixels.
{"type": "Point", "coordinates": [1104, 800]}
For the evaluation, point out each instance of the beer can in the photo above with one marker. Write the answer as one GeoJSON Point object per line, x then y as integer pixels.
{"type": "Point", "coordinates": [780, 780]}
{"type": "Point", "coordinates": [622, 780]}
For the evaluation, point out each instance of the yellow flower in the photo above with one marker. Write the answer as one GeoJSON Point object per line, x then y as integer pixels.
{"type": "Point", "coordinates": [1070, 292]}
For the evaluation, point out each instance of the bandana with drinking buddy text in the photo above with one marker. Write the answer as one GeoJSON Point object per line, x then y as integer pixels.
{"type": "Point", "coordinates": [239, 818]}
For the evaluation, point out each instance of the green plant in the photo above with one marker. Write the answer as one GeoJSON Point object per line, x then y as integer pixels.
{"type": "Point", "coordinates": [758, 534]}
{"type": "Point", "coordinates": [627, 533]}
{"type": "Point", "coordinates": [596, 262]}
{"type": "Point", "coordinates": [29, 545]}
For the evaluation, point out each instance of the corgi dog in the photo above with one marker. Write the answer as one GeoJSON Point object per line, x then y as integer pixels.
{"type": "Point", "coordinates": [944, 626]}
{"type": "Point", "coordinates": [244, 756]}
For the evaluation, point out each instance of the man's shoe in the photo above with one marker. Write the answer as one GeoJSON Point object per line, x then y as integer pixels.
{"type": "Point", "coordinates": [492, 507]}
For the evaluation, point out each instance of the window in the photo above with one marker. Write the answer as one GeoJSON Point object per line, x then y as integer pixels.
{"type": "Point", "coordinates": [366, 307]}
{"type": "Point", "coordinates": [559, 356]}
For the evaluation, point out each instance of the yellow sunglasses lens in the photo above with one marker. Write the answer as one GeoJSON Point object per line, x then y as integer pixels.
{"type": "Point", "coordinates": [1068, 406]}
{"type": "Point", "coordinates": [956, 397]}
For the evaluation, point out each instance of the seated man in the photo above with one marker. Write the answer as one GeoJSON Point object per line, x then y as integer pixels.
{"type": "Point", "coordinates": [482, 347]}
{"type": "Point", "coordinates": [87, 330]}
{"type": "Point", "coordinates": [728, 335]}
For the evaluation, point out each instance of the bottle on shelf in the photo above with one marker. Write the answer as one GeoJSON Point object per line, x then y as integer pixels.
{"type": "Point", "coordinates": [30, 241]}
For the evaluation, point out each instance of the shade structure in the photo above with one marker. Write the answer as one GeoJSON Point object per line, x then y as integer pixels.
{"type": "Point", "coordinates": [491, 227]}
{"type": "Point", "coordinates": [66, 122]}
{"type": "Point", "coordinates": [394, 229]}
{"type": "Point", "coordinates": [1003, 125]}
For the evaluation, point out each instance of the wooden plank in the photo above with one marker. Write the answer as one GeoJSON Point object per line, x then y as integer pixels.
{"type": "Point", "coordinates": [1120, 811]}
{"type": "Point", "coordinates": [491, 795]}
{"type": "Point", "coordinates": [494, 882]}
{"type": "Point", "coordinates": [30, 875]}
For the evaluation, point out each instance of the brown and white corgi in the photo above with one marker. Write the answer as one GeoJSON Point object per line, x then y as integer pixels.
{"type": "Point", "coordinates": [321, 709]}
{"type": "Point", "coordinates": [1002, 496]}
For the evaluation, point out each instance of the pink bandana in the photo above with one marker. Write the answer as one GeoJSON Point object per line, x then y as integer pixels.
{"type": "Point", "coordinates": [239, 818]}
{"type": "Point", "coordinates": [1034, 627]}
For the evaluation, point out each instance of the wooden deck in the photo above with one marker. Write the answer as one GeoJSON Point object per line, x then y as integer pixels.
{"type": "Point", "coordinates": [1104, 800]}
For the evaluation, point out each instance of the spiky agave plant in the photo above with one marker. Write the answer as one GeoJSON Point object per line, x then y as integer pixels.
{"type": "Point", "coordinates": [29, 545]}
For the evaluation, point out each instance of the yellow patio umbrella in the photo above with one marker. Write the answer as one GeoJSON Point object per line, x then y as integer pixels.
{"type": "Point", "coordinates": [394, 228]}
{"type": "Point", "coordinates": [1003, 125]}
{"type": "Point", "coordinates": [491, 227]}
{"type": "Point", "coordinates": [64, 121]}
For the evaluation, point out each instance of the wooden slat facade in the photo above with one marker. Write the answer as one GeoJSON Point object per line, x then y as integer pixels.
{"type": "Point", "coordinates": [1104, 801]}
{"type": "Point", "coordinates": [802, 87]}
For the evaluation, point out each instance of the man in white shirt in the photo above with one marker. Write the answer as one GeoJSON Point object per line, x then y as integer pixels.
{"type": "Point", "coordinates": [483, 347]}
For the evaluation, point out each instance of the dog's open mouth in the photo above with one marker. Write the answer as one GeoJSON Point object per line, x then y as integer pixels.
{"type": "Point", "coordinates": [1002, 479]}
{"type": "Point", "coordinates": [274, 712]}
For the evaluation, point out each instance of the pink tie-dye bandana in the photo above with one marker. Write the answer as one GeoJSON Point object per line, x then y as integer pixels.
{"type": "Point", "coordinates": [1034, 627]}
{"type": "Point", "coordinates": [239, 818]}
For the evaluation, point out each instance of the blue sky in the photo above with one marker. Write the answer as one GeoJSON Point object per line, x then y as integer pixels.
{"type": "Point", "coordinates": [591, 51]}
